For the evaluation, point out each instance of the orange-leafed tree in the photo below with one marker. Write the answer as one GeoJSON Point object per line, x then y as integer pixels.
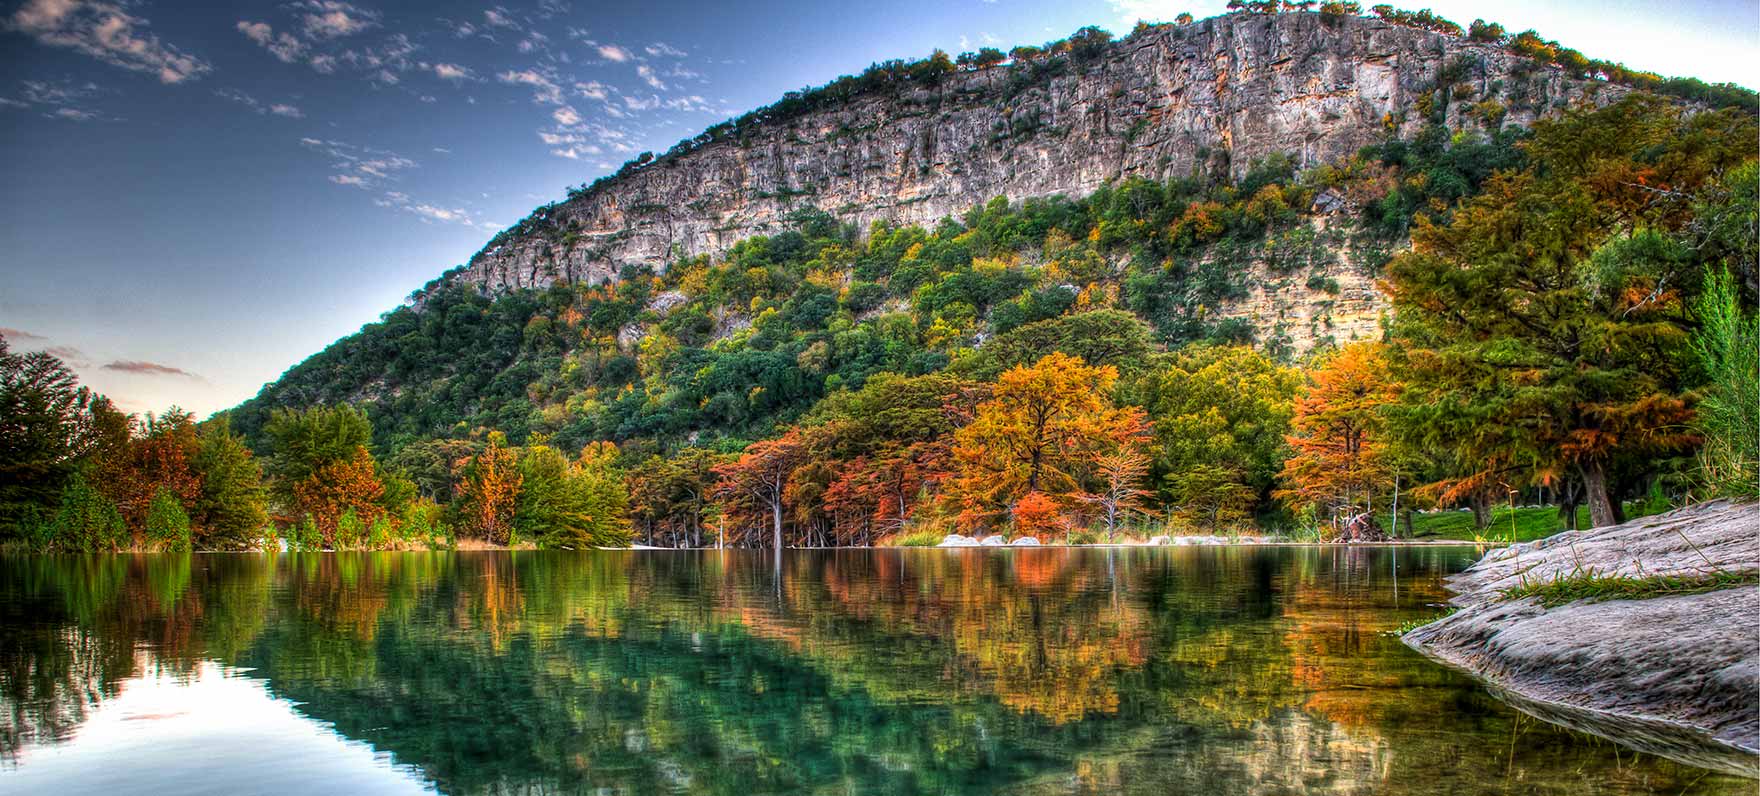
{"type": "Point", "coordinates": [1044, 430]}
{"type": "Point", "coordinates": [1036, 514]}
{"type": "Point", "coordinates": [490, 494]}
{"type": "Point", "coordinates": [158, 458]}
{"type": "Point", "coordinates": [1340, 433]}
{"type": "Point", "coordinates": [337, 489]}
{"type": "Point", "coordinates": [758, 479]}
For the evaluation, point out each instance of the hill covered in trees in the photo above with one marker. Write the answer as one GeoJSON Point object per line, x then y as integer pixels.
{"type": "Point", "coordinates": [1479, 301]}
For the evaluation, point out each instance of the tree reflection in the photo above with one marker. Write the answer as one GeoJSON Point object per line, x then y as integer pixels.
{"type": "Point", "coordinates": [1228, 671]}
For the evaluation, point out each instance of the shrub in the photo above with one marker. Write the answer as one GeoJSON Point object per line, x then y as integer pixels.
{"type": "Point", "coordinates": [167, 523]}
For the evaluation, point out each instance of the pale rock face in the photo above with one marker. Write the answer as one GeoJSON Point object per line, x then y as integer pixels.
{"type": "Point", "coordinates": [1222, 92]}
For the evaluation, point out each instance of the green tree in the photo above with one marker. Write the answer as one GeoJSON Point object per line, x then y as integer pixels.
{"type": "Point", "coordinates": [45, 432]}
{"type": "Point", "coordinates": [1220, 416]}
{"type": "Point", "coordinates": [85, 522]}
{"type": "Point", "coordinates": [230, 512]}
{"type": "Point", "coordinates": [306, 440]}
{"type": "Point", "coordinates": [167, 526]}
{"type": "Point", "coordinates": [1543, 329]}
{"type": "Point", "coordinates": [1728, 348]}
{"type": "Point", "coordinates": [571, 504]}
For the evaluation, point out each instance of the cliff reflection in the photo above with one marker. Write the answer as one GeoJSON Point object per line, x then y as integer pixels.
{"type": "Point", "coordinates": [1257, 670]}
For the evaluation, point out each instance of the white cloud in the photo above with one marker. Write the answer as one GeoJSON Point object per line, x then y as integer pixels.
{"type": "Point", "coordinates": [425, 210]}
{"type": "Point", "coordinates": [324, 64]}
{"type": "Point", "coordinates": [357, 165]}
{"type": "Point", "coordinates": [60, 99]}
{"type": "Point", "coordinates": [566, 116]}
{"type": "Point", "coordinates": [332, 19]}
{"type": "Point", "coordinates": [283, 109]}
{"type": "Point", "coordinates": [647, 74]}
{"type": "Point", "coordinates": [348, 179]}
{"type": "Point", "coordinates": [593, 89]}
{"type": "Point", "coordinates": [74, 114]}
{"type": "Point", "coordinates": [612, 52]}
{"type": "Point", "coordinates": [544, 90]}
{"type": "Point", "coordinates": [283, 46]}
{"type": "Point", "coordinates": [453, 72]}
{"type": "Point", "coordinates": [661, 49]}
{"type": "Point", "coordinates": [106, 32]}
{"type": "Point", "coordinates": [499, 17]}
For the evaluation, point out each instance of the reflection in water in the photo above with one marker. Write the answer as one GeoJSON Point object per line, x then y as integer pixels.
{"type": "Point", "coordinates": [1210, 670]}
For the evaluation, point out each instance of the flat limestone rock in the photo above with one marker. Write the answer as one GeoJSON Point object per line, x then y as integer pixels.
{"type": "Point", "coordinates": [1677, 676]}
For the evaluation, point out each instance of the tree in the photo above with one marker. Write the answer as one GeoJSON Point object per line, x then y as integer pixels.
{"type": "Point", "coordinates": [304, 440]}
{"type": "Point", "coordinates": [1543, 329]}
{"type": "Point", "coordinates": [343, 488]}
{"type": "Point", "coordinates": [1221, 415]}
{"type": "Point", "coordinates": [86, 521]}
{"type": "Point", "coordinates": [159, 458]}
{"type": "Point", "coordinates": [45, 432]}
{"type": "Point", "coordinates": [230, 512]}
{"type": "Point", "coordinates": [1121, 494]}
{"type": "Point", "coordinates": [574, 505]}
{"type": "Point", "coordinates": [1043, 430]}
{"type": "Point", "coordinates": [1339, 427]}
{"type": "Point", "coordinates": [760, 477]}
{"type": "Point", "coordinates": [490, 493]}
{"type": "Point", "coordinates": [167, 526]}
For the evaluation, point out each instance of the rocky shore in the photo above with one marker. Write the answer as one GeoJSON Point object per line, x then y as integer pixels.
{"type": "Point", "coordinates": [1677, 675]}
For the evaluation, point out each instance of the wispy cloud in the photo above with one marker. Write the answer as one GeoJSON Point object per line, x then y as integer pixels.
{"type": "Point", "coordinates": [283, 46]}
{"type": "Point", "coordinates": [544, 90]}
{"type": "Point", "coordinates": [19, 334]}
{"type": "Point", "coordinates": [107, 32]}
{"type": "Point", "coordinates": [144, 368]}
{"type": "Point", "coordinates": [276, 108]}
{"type": "Point", "coordinates": [331, 19]}
{"type": "Point", "coordinates": [661, 49]}
{"type": "Point", "coordinates": [612, 52]}
{"type": "Point", "coordinates": [56, 99]}
{"type": "Point", "coordinates": [453, 72]}
{"type": "Point", "coordinates": [430, 212]}
{"type": "Point", "coordinates": [357, 165]}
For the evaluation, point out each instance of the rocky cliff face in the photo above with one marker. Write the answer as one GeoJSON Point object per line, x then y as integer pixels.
{"type": "Point", "coordinates": [1221, 92]}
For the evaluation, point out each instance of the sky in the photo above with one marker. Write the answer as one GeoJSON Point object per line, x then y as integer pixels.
{"type": "Point", "coordinates": [197, 196]}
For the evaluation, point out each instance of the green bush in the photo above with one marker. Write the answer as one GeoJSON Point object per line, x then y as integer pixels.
{"type": "Point", "coordinates": [167, 523]}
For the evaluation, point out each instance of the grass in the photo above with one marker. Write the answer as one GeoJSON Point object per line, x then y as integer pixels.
{"type": "Point", "coordinates": [1586, 585]}
{"type": "Point", "coordinates": [1530, 523]}
{"type": "Point", "coordinates": [1414, 624]}
{"type": "Point", "coordinates": [925, 538]}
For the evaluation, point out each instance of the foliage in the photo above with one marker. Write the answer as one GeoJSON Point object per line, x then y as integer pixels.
{"type": "Point", "coordinates": [1728, 348]}
{"type": "Point", "coordinates": [1042, 431]}
{"type": "Point", "coordinates": [346, 489]}
{"type": "Point", "coordinates": [167, 526]}
{"type": "Point", "coordinates": [1339, 433]}
{"type": "Point", "coordinates": [1542, 329]}
{"type": "Point", "coordinates": [489, 492]}
{"type": "Point", "coordinates": [573, 505]}
{"type": "Point", "coordinates": [229, 512]}
{"type": "Point", "coordinates": [46, 422]}
{"type": "Point", "coordinates": [86, 521]}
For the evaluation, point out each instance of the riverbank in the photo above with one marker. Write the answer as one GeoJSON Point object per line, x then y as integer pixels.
{"type": "Point", "coordinates": [1674, 674]}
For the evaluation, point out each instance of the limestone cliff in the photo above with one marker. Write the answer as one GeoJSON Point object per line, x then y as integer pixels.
{"type": "Point", "coordinates": [1221, 93]}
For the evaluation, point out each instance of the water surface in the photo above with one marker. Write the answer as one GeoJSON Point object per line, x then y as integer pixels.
{"type": "Point", "coordinates": [1253, 670]}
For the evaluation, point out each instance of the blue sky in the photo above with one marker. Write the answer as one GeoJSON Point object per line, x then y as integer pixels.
{"type": "Point", "coordinates": [198, 196]}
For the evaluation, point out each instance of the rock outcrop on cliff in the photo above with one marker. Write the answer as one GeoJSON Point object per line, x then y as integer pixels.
{"type": "Point", "coordinates": [1221, 93]}
{"type": "Point", "coordinates": [1673, 675]}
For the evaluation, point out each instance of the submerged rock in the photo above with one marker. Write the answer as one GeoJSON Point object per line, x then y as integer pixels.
{"type": "Point", "coordinates": [994, 541]}
{"type": "Point", "coordinates": [957, 540]}
{"type": "Point", "coordinates": [1025, 541]}
{"type": "Point", "coordinates": [1674, 676]}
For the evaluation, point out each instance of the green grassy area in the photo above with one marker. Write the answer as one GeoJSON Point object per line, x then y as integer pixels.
{"type": "Point", "coordinates": [1530, 523]}
{"type": "Point", "coordinates": [1587, 585]}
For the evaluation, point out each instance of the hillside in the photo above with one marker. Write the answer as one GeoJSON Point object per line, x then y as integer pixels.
{"type": "Point", "coordinates": [1239, 179]}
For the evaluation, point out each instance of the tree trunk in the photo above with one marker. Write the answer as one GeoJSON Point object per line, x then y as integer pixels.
{"type": "Point", "coordinates": [1601, 511]}
{"type": "Point", "coordinates": [1481, 506]}
{"type": "Point", "coordinates": [776, 521]}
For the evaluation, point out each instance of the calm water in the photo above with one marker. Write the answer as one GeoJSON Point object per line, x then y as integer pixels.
{"type": "Point", "coordinates": [1189, 670]}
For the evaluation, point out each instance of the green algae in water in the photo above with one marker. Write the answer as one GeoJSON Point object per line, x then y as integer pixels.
{"type": "Point", "coordinates": [1250, 670]}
